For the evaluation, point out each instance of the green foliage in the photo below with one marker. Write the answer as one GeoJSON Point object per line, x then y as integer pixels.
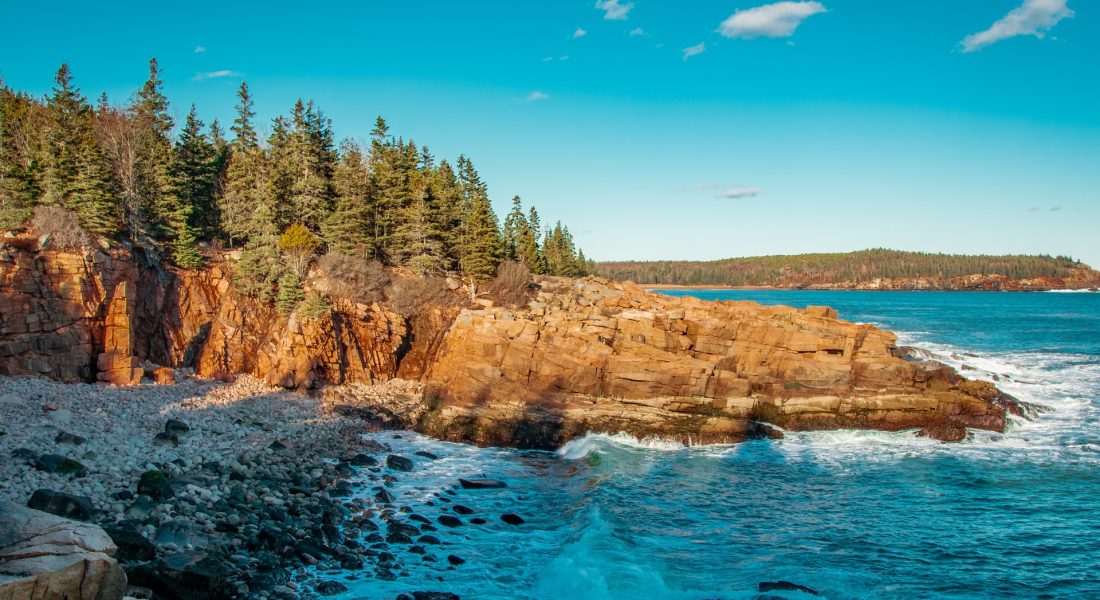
{"type": "Point", "coordinates": [298, 237]}
{"type": "Point", "coordinates": [290, 294]}
{"type": "Point", "coordinates": [315, 306]}
{"type": "Point", "coordinates": [857, 267]}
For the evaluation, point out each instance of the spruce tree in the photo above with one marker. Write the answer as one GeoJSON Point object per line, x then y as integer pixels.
{"type": "Point", "coordinates": [480, 243]}
{"type": "Point", "coordinates": [18, 188]}
{"type": "Point", "coordinates": [445, 210]}
{"type": "Point", "coordinates": [94, 198]}
{"type": "Point", "coordinates": [153, 163]}
{"type": "Point", "coordinates": [193, 172]}
{"type": "Point", "coordinates": [311, 157]}
{"type": "Point", "coordinates": [417, 238]}
{"type": "Point", "coordinates": [347, 229]}
{"type": "Point", "coordinates": [69, 121]}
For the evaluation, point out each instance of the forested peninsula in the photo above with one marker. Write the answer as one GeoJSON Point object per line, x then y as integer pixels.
{"type": "Point", "coordinates": [877, 269]}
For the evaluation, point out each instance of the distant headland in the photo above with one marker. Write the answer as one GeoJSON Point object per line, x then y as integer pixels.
{"type": "Point", "coordinates": [876, 269]}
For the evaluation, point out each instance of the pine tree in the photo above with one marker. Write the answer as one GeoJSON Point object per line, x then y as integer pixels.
{"type": "Point", "coordinates": [94, 199]}
{"type": "Point", "coordinates": [244, 177]}
{"type": "Point", "coordinates": [445, 210]}
{"type": "Point", "coordinates": [389, 189]}
{"type": "Point", "coordinates": [480, 244]}
{"type": "Point", "coordinates": [514, 223]}
{"type": "Point", "coordinates": [417, 239]}
{"type": "Point", "coordinates": [311, 158]}
{"type": "Point", "coordinates": [347, 229]}
{"type": "Point", "coordinates": [194, 179]}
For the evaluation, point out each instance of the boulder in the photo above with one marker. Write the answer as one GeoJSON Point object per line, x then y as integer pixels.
{"type": "Point", "coordinates": [156, 485]}
{"type": "Point", "coordinates": [481, 484]}
{"type": "Point", "coordinates": [43, 556]}
{"type": "Point", "coordinates": [183, 576]}
{"type": "Point", "coordinates": [61, 504]}
{"type": "Point", "coordinates": [61, 465]}
{"type": "Point", "coordinates": [399, 463]}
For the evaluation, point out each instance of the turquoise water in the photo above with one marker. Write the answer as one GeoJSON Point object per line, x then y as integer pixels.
{"type": "Point", "coordinates": [849, 514]}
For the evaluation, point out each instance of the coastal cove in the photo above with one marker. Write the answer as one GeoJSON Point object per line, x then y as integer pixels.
{"type": "Point", "coordinates": [849, 514]}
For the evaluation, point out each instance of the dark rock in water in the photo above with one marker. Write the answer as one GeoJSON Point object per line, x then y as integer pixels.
{"type": "Point", "coordinates": [363, 460]}
{"type": "Point", "coordinates": [478, 521]}
{"type": "Point", "coordinates": [176, 426]}
{"type": "Point", "coordinates": [512, 519]}
{"type": "Point", "coordinates": [456, 560]}
{"type": "Point", "coordinates": [399, 527]}
{"type": "Point", "coordinates": [784, 586]}
{"type": "Point", "coordinates": [62, 505]}
{"type": "Point", "coordinates": [417, 550]}
{"type": "Point", "coordinates": [183, 576]}
{"type": "Point", "coordinates": [60, 465]}
{"type": "Point", "coordinates": [943, 433]}
{"type": "Point", "coordinates": [330, 587]}
{"type": "Point", "coordinates": [340, 489]}
{"type": "Point", "coordinates": [350, 562]}
{"type": "Point", "coordinates": [419, 518]}
{"type": "Point", "coordinates": [166, 438]}
{"type": "Point", "coordinates": [426, 454]}
{"type": "Point", "coordinates": [398, 538]}
{"type": "Point", "coordinates": [156, 485]}
{"type": "Point", "coordinates": [374, 538]}
{"type": "Point", "coordinates": [429, 539]}
{"type": "Point", "coordinates": [481, 484]}
{"type": "Point", "coordinates": [313, 549]}
{"type": "Point", "coordinates": [64, 437]}
{"type": "Point", "coordinates": [463, 510]}
{"type": "Point", "coordinates": [449, 521]}
{"type": "Point", "coordinates": [269, 579]}
{"type": "Point", "coordinates": [132, 546]}
{"type": "Point", "coordinates": [399, 463]}
{"type": "Point", "coordinates": [384, 496]}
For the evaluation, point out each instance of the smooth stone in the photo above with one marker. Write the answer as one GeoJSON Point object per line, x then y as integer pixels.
{"type": "Point", "coordinates": [512, 519]}
{"type": "Point", "coordinates": [61, 504]}
{"type": "Point", "coordinates": [481, 484]}
{"type": "Point", "coordinates": [399, 463]}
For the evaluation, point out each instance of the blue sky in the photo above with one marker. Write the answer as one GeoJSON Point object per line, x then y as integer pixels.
{"type": "Point", "coordinates": [691, 130]}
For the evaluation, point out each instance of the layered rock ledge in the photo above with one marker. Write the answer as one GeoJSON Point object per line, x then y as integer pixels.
{"type": "Point", "coordinates": [582, 356]}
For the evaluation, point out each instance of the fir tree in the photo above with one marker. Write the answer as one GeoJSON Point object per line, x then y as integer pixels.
{"type": "Point", "coordinates": [417, 238]}
{"type": "Point", "coordinates": [69, 121]}
{"type": "Point", "coordinates": [153, 163]}
{"type": "Point", "coordinates": [18, 188]}
{"type": "Point", "coordinates": [94, 199]}
{"type": "Point", "coordinates": [194, 174]}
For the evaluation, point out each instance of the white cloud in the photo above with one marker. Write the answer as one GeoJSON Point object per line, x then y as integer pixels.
{"type": "Point", "coordinates": [695, 50]}
{"type": "Point", "coordinates": [579, 33]}
{"type": "Point", "coordinates": [740, 191]}
{"type": "Point", "coordinates": [703, 187]}
{"type": "Point", "coordinates": [770, 20]}
{"type": "Point", "coordinates": [613, 11]}
{"type": "Point", "coordinates": [216, 75]}
{"type": "Point", "coordinates": [200, 49]}
{"type": "Point", "coordinates": [1033, 17]}
{"type": "Point", "coordinates": [637, 32]}
{"type": "Point", "coordinates": [537, 96]}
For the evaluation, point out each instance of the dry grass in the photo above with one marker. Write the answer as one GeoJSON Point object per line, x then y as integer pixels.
{"type": "Point", "coordinates": [61, 227]}
{"type": "Point", "coordinates": [354, 279]}
{"type": "Point", "coordinates": [512, 286]}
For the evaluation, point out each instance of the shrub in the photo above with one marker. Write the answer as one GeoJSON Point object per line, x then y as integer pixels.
{"type": "Point", "coordinates": [512, 284]}
{"type": "Point", "coordinates": [411, 296]}
{"type": "Point", "coordinates": [298, 246]}
{"type": "Point", "coordinates": [315, 306]}
{"type": "Point", "coordinates": [355, 279]}
{"type": "Point", "coordinates": [61, 227]}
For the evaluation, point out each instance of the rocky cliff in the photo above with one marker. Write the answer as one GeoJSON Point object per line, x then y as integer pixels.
{"type": "Point", "coordinates": [584, 355]}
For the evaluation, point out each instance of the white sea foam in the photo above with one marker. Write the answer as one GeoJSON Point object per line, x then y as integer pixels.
{"type": "Point", "coordinates": [592, 442]}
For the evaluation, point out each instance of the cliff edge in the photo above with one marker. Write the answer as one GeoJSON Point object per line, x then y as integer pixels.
{"type": "Point", "coordinates": [585, 355]}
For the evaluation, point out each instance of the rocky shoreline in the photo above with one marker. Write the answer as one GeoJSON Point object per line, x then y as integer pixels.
{"type": "Point", "coordinates": [214, 490]}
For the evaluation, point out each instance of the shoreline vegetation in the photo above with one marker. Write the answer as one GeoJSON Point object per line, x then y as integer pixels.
{"type": "Point", "coordinates": [875, 269]}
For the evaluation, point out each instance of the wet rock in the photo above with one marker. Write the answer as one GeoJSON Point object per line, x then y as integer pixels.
{"type": "Point", "coordinates": [398, 538]}
{"type": "Point", "coordinates": [363, 460]}
{"type": "Point", "coordinates": [384, 496]}
{"type": "Point", "coordinates": [61, 504]}
{"type": "Point", "coordinates": [456, 560]}
{"type": "Point", "coordinates": [478, 521]}
{"type": "Point", "coordinates": [428, 539]}
{"type": "Point", "coordinates": [428, 596]}
{"type": "Point", "coordinates": [132, 546]}
{"type": "Point", "coordinates": [330, 587]}
{"type": "Point", "coordinates": [785, 586]}
{"type": "Point", "coordinates": [512, 519]}
{"type": "Point", "coordinates": [156, 485]}
{"type": "Point", "coordinates": [69, 439]}
{"type": "Point", "coordinates": [60, 465]}
{"type": "Point", "coordinates": [399, 463]}
{"type": "Point", "coordinates": [449, 521]}
{"type": "Point", "coordinates": [427, 455]}
{"type": "Point", "coordinates": [481, 484]}
{"type": "Point", "coordinates": [943, 433]}
{"type": "Point", "coordinates": [463, 510]}
{"type": "Point", "coordinates": [183, 576]}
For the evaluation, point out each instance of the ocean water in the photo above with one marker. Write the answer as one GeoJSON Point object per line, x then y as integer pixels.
{"type": "Point", "coordinates": [848, 514]}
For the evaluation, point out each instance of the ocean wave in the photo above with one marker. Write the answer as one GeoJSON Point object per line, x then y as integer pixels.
{"type": "Point", "coordinates": [593, 442]}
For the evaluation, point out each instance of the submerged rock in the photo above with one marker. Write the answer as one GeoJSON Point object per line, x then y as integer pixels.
{"type": "Point", "coordinates": [481, 484]}
{"type": "Point", "coordinates": [785, 586]}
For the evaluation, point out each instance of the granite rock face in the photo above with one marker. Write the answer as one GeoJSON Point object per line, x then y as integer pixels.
{"type": "Point", "coordinates": [44, 557]}
{"type": "Point", "coordinates": [586, 355]}
{"type": "Point", "coordinates": [592, 355]}
{"type": "Point", "coordinates": [107, 315]}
